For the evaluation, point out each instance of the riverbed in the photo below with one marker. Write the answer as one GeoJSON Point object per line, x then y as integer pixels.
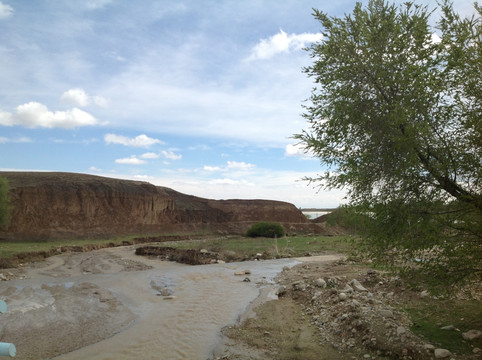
{"type": "Point", "coordinates": [112, 304]}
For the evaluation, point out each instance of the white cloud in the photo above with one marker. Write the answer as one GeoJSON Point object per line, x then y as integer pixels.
{"type": "Point", "coordinates": [212, 168]}
{"type": "Point", "coordinates": [133, 160]}
{"type": "Point", "coordinates": [436, 39]}
{"type": "Point", "coordinates": [34, 114]}
{"type": "Point", "coordinates": [100, 101]}
{"type": "Point", "coordinates": [5, 11]}
{"type": "Point", "coordinates": [95, 169]}
{"type": "Point", "coordinates": [239, 165]}
{"type": "Point", "coordinates": [227, 181]}
{"type": "Point", "coordinates": [230, 165]}
{"type": "Point", "coordinates": [142, 177]}
{"type": "Point", "coordinates": [282, 43]}
{"type": "Point", "coordinates": [298, 150]}
{"type": "Point", "coordinates": [78, 97]}
{"type": "Point", "coordinates": [171, 156]}
{"type": "Point", "coordinates": [139, 141]}
{"type": "Point", "coordinates": [97, 4]}
{"type": "Point", "coordinates": [150, 155]}
{"type": "Point", "coordinates": [22, 139]}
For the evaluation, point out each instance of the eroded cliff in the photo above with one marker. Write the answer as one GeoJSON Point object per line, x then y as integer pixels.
{"type": "Point", "coordinates": [55, 205]}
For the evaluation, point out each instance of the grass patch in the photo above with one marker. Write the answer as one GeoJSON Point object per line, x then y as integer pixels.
{"type": "Point", "coordinates": [430, 316]}
{"type": "Point", "coordinates": [280, 247]}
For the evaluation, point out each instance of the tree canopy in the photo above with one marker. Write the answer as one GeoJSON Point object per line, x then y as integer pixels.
{"type": "Point", "coordinates": [395, 117]}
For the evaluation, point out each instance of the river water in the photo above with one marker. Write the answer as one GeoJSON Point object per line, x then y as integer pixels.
{"type": "Point", "coordinates": [186, 324]}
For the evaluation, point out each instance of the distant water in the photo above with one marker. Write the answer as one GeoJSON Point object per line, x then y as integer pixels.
{"type": "Point", "coordinates": [315, 214]}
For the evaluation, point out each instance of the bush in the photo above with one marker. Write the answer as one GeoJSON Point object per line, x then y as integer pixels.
{"type": "Point", "coordinates": [266, 229]}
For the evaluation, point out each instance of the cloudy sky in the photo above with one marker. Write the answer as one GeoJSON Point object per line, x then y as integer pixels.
{"type": "Point", "coordinates": [202, 96]}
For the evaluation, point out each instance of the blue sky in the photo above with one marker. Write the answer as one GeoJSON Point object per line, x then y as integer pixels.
{"type": "Point", "coordinates": [199, 96]}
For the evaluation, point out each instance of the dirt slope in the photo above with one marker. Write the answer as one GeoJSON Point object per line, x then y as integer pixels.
{"type": "Point", "coordinates": [68, 205]}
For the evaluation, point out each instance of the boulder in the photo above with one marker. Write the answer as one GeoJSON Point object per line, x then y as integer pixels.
{"type": "Point", "coordinates": [472, 335]}
{"type": "Point", "coordinates": [441, 353]}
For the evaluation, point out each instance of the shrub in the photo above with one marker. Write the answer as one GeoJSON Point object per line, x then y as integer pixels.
{"type": "Point", "coordinates": [266, 229]}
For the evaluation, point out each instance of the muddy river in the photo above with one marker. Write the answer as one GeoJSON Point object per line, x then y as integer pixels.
{"type": "Point", "coordinates": [112, 304]}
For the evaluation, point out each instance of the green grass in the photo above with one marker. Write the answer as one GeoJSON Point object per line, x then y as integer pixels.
{"type": "Point", "coordinates": [429, 316]}
{"type": "Point", "coordinates": [282, 247]}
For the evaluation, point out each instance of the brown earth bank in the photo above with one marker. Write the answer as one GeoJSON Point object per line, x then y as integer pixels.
{"type": "Point", "coordinates": [337, 311]}
{"type": "Point", "coordinates": [50, 205]}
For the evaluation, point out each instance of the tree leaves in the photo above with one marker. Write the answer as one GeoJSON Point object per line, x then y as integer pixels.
{"type": "Point", "coordinates": [395, 116]}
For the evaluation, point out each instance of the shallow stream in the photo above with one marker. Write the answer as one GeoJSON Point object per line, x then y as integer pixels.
{"type": "Point", "coordinates": [180, 309]}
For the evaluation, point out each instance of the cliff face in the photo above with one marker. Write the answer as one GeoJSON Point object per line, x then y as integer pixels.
{"type": "Point", "coordinates": [55, 205]}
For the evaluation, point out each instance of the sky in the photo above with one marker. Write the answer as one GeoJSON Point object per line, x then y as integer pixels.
{"type": "Point", "coordinates": [201, 96]}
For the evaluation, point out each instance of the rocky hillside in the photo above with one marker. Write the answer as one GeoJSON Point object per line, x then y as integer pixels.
{"type": "Point", "coordinates": [68, 205]}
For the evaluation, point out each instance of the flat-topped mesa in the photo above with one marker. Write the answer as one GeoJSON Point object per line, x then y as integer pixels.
{"type": "Point", "coordinates": [69, 205]}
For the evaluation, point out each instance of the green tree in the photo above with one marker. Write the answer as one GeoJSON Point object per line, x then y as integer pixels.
{"type": "Point", "coordinates": [4, 203]}
{"type": "Point", "coordinates": [395, 117]}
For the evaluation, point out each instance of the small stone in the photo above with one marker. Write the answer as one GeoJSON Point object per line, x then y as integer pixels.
{"type": "Point", "coordinates": [342, 296]}
{"type": "Point", "coordinates": [357, 286]}
{"type": "Point", "coordinates": [299, 286]}
{"type": "Point", "coordinates": [472, 335]}
{"type": "Point", "coordinates": [247, 280]}
{"type": "Point", "coordinates": [424, 293]}
{"type": "Point", "coordinates": [428, 347]}
{"type": "Point", "coordinates": [401, 330]}
{"type": "Point", "coordinates": [170, 297]}
{"type": "Point", "coordinates": [242, 272]}
{"type": "Point", "coordinates": [3, 277]}
{"type": "Point", "coordinates": [281, 291]}
{"type": "Point", "coordinates": [203, 251]}
{"type": "Point", "coordinates": [386, 313]}
{"type": "Point", "coordinates": [348, 289]}
{"type": "Point", "coordinates": [441, 353]}
{"type": "Point", "coordinates": [476, 350]}
{"type": "Point", "coordinates": [320, 283]}
{"type": "Point", "coordinates": [366, 356]}
{"type": "Point", "coordinates": [448, 328]}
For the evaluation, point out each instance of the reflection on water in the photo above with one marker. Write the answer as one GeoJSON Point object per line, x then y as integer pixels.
{"type": "Point", "coordinates": [187, 324]}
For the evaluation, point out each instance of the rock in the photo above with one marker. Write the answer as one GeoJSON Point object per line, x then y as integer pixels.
{"type": "Point", "coordinates": [242, 272]}
{"type": "Point", "coordinates": [401, 330]}
{"type": "Point", "coordinates": [342, 296]}
{"type": "Point", "coordinates": [203, 251]}
{"type": "Point", "coordinates": [281, 291]}
{"type": "Point", "coordinates": [441, 353]}
{"type": "Point", "coordinates": [357, 286]}
{"type": "Point", "coordinates": [299, 286]}
{"type": "Point", "coordinates": [386, 313]}
{"type": "Point", "coordinates": [3, 277]}
{"type": "Point", "coordinates": [247, 279]}
{"type": "Point", "coordinates": [170, 297]}
{"type": "Point", "coordinates": [347, 289]}
{"type": "Point", "coordinates": [448, 327]}
{"type": "Point", "coordinates": [320, 283]}
{"type": "Point", "coordinates": [476, 350]}
{"type": "Point", "coordinates": [428, 347]}
{"type": "Point", "coordinates": [424, 293]}
{"type": "Point", "coordinates": [472, 335]}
